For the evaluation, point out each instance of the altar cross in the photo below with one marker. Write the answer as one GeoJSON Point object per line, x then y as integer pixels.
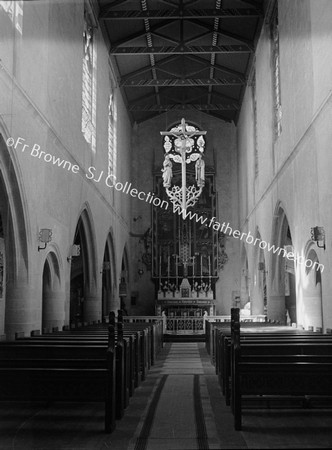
{"type": "Point", "coordinates": [184, 136]}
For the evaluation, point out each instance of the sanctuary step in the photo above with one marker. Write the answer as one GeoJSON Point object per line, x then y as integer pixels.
{"type": "Point", "coordinates": [184, 337]}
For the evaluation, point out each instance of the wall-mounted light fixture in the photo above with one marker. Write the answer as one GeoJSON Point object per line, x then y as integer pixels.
{"type": "Point", "coordinates": [318, 235]}
{"type": "Point", "coordinates": [45, 236]}
{"type": "Point", "coordinates": [123, 288]}
{"type": "Point", "coordinates": [106, 266]}
{"type": "Point", "coordinates": [75, 250]}
{"type": "Point", "coordinates": [261, 267]}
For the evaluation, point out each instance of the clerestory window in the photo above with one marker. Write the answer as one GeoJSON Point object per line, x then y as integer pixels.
{"type": "Point", "coordinates": [276, 73]}
{"type": "Point", "coordinates": [89, 85]}
{"type": "Point", "coordinates": [14, 10]}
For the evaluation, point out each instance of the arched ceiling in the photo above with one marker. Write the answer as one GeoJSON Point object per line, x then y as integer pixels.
{"type": "Point", "coordinates": [180, 55]}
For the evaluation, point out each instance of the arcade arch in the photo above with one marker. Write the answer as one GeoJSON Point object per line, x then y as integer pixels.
{"type": "Point", "coordinates": [16, 311]}
{"type": "Point", "coordinates": [53, 296]}
{"type": "Point", "coordinates": [245, 280]}
{"type": "Point", "coordinates": [259, 295]}
{"type": "Point", "coordinates": [311, 308]}
{"type": "Point", "coordinates": [108, 278]}
{"type": "Point", "coordinates": [124, 282]}
{"type": "Point", "coordinates": [84, 304]}
{"type": "Point", "coordinates": [281, 305]}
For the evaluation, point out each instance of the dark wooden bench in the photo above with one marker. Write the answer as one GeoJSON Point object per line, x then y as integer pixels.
{"type": "Point", "coordinates": [214, 328]}
{"type": "Point", "coordinates": [281, 367]}
{"type": "Point", "coordinates": [269, 347]}
{"type": "Point", "coordinates": [58, 345]}
{"type": "Point", "coordinates": [133, 350]}
{"type": "Point", "coordinates": [60, 373]}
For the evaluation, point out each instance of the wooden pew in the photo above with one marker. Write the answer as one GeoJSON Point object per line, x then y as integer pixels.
{"type": "Point", "coordinates": [306, 372]}
{"type": "Point", "coordinates": [60, 373]}
{"type": "Point", "coordinates": [133, 357]}
{"type": "Point", "coordinates": [222, 335]}
{"type": "Point", "coordinates": [269, 345]}
{"type": "Point", "coordinates": [60, 344]}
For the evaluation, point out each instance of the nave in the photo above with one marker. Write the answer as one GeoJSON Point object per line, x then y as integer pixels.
{"type": "Point", "coordinates": [178, 406]}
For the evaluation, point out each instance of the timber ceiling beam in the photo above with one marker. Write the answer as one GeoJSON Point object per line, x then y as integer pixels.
{"type": "Point", "coordinates": [113, 4]}
{"type": "Point", "coordinates": [175, 3]}
{"type": "Point", "coordinates": [224, 69]}
{"type": "Point", "coordinates": [176, 82]}
{"type": "Point", "coordinates": [140, 34]}
{"type": "Point", "coordinates": [158, 65]}
{"type": "Point", "coordinates": [223, 97]}
{"type": "Point", "coordinates": [180, 50]}
{"type": "Point", "coordinates": [256, 3]}
{"type": "Point", "coordinates": [184, 106]}
{"type": "Point", "coordinates": [145, 98]}
{"type": "Point", "coordinates": [224, 33]}
{"type": "Point", "coordinates": [107, 13]}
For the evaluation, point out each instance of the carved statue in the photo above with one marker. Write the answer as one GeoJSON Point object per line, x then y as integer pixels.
{"type": "Point", "coordinates": [200, 171]}
{"type": "Point", "coordinates": [167, 172]}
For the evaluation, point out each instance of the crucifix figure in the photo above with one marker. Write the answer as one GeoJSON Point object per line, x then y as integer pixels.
{"type": "Point", "coordinates": [183, 153]}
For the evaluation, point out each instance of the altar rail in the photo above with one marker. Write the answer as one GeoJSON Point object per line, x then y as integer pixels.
{"type": "Point", "coordinates": [188, 324]}
{"type": "Point", "coordinates": [243, 318]}
{"type": "Point", "coordinates": [185, 325]}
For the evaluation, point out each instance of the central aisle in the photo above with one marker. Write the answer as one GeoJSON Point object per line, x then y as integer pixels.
{"type": "Point", "coordinates": [179, 415]}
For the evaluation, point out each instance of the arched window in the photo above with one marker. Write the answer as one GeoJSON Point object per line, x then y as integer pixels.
{"type": "Point", "coordinates": [89, 86]}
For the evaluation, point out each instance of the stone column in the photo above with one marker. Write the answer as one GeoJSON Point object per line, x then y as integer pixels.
{"type": "Point", "coordinates": [23, 308]}
{"type": "Point", "coordinates": [276, 308]}
{"type": "Point", "coordinates": [92, 306]}
{"type": "Point", "coordinates": [53, 309]}
{"type": "Point", "coordinates": [257, 299]}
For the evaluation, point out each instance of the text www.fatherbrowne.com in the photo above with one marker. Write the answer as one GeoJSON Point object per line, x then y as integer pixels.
{"type": "Point", "coordinates": [111, 182]}
{"type": "Point", "coordinates": [249, 239]}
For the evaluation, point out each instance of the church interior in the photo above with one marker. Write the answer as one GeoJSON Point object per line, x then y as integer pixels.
{"type": "Point", "coordinates": [165, 182]}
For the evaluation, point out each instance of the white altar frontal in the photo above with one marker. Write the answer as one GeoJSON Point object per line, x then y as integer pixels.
{"type": "Point", "coordinates": [186, 308]}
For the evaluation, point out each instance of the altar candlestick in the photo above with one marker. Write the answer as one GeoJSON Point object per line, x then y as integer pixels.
{"type": "Point", "coordinates": [209, 267]}
{"type": "Point", "coordinates": [176, 270]}
{"type": "Point", "coordinates": [168, 267]}
{"type": "Point", "coordinates": [201, 266]}
{"type": "Point", "coordinates": [160, 272]}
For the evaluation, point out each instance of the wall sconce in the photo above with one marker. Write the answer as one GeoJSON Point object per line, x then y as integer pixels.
{"type": "Point", "coordinates": [45, 236]}
{"type": "Point", "coordinates": [122, 288]}
{"type": "Point", "coordinates": [318, 235]}
{"type": "Point", "coordinates": [261, 267]}
{"type": "Point", "coordinates": [75, 250]}
{"type": "Point", "coordinates": [106, 266]}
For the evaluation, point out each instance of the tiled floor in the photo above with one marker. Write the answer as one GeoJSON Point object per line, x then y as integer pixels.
{"type": "Point", "coordinates": [178, 406]}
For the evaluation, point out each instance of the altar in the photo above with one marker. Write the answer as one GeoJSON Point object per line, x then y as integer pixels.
{"type": "Point", "coordinates": [187, 252]}
{"type": "Point", "coordinates": [185, 309]}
